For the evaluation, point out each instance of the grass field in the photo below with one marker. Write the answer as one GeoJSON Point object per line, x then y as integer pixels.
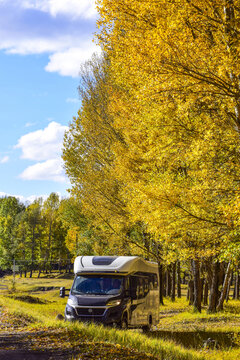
{"type": "Point", "coordinates": [33, 304]}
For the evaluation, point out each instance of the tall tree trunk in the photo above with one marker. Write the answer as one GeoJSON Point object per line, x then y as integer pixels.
{"type": "Point", "coordinates": [173, 288]}
{"type": "Point", "coordinates": [205, 292]}
{"type": "Point", "coordinates": [168, 282]}
{"type": "Point", "coordinates": [213, 297]}
{"type": "Point", "coordinates": [178, 280]}
{"type": "Point", "coordinates": [224, 288]}
{"type": "Point", "coordinates": [229, 286]}
{"type": "Point", "coordinates": [160, 272]}
{"type": "Point", "coordinates": [236, 297]}
{"type": "Point", "coordinates": [190, 292]}
{"type": "Point", "coordinates": [197, 285]}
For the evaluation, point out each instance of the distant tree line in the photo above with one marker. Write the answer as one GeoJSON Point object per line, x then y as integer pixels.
{"type": "Point", "coordinates": [38, 236]}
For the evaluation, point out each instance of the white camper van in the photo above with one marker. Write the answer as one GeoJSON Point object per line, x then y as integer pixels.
{"type": "Point", "coordinates": [116, 290]}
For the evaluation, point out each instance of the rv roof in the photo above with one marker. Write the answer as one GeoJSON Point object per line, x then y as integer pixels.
{"type": "Point", "coordinates": [122, 264]}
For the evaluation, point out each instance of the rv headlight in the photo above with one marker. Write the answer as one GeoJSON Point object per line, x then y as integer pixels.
{"type": "Point", "coordinates": [72, 302]}
{"type": "Point", "coordinates": [114, 303]}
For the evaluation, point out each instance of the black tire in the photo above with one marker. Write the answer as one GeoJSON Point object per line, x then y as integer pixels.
{"type": "Point", "coordinates": [124, 322]}
{"type": "Point", "coordinates": [146, 328]}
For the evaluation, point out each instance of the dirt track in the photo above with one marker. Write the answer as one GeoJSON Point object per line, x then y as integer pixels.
{"type": "Point", "coordinates": [16, 343]}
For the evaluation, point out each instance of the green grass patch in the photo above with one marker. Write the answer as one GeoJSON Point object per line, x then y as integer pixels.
{"type": "Point", "coordinates": [37, 303]}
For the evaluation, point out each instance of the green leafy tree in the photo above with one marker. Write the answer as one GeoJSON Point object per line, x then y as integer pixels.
{"type": "Point", "coordinates": [10, 208]}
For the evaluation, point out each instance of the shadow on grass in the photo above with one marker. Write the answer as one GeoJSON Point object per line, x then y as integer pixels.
{"type": "Point", "coordinates": [197, 339]}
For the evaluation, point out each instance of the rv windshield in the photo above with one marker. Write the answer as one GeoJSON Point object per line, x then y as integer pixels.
{"type": "Point", "coordinates": [97, 285]}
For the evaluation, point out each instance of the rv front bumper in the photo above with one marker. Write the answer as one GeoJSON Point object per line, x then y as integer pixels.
{"type": "Point", "coordinates": [104, 315]}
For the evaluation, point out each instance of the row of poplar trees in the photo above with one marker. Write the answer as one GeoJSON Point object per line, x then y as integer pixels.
{"type": "Point", "coordinates": [154, 153]}
{"type": "Point", "coordinates": [42, 236]}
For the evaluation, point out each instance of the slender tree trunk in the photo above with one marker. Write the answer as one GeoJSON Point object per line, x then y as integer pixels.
{"type": "Point", "coordinates": [224, 288]}
{"type": "Point", "coordinates": [168, 282]}
{"type": "Point", "coordinates": [197, 285]}
{"type": "Point", "coordinates": [213, 297]}
{"type": "Point", "coordinates": [205, 293]}
{"type": "Point", "coordinates": [184, 278]}
{"type": "Point", "coordinates": [173, 288]}
{"type": "Point", "coordinates": [236, 297]}
{"type": "Point", "coordinates": [202, 280]}
{"type": "Point", "coordinates": [160, 272]}
{"type": "Point", "coordinates": [191, 292]}
{"type": "Point", "coordinates": [178, 279]}
{"type": "Point", "coordinates": [229, 286]}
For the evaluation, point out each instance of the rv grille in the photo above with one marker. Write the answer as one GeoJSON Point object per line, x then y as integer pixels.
{"type": "Point", "coordinates": [90, 311]}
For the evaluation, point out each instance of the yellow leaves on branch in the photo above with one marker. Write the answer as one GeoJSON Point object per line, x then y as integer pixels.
{"type": "Point", "coordinates": [157, 138]}
{"type": "Point", "coordinates": [176, 70]}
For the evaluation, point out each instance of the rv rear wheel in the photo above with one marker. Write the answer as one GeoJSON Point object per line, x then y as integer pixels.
{"type": "Point", "coordinates": [147, 328]}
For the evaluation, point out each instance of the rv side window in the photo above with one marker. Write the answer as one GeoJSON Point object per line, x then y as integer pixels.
{"type": "Point", "coordinates": [141, 284]}
{"type": "Point", "coordinates": [146, 285]}
{"type": "Point", "coordinates": [151, 281]}
{"type": "Point", "coordinates": [141, 287]}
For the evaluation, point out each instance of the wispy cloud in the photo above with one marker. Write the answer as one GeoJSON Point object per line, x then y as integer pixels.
{"type": "Point", "coordinates": [29, 124]}
{"type": "Point", "coordinates": [4, 159]}
{"type": "Point", "coordinates": [72, 100]}
{"type": "Point", "coordinates": [73, 8]}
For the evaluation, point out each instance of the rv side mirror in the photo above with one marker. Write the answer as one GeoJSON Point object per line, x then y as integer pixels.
{"type": "Point", "coordinates": [62, 292]}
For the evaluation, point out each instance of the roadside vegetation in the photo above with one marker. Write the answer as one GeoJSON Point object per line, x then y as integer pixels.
{"type": "Point", "coordinates": [32, 305]}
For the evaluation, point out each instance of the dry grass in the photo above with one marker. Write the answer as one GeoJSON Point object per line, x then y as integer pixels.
{"type": "Point", "coordinates": [41, 307]}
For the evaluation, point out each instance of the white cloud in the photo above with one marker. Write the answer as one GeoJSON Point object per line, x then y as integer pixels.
{"type": "Point", "coordinates": [62, 29]}
{"type": "Point", "coordinates": [27, 199]}
{"type": "Point", "coordinates": [73, 8]}
{"type": "Point", "coordinates": [27, 45]}
{"type": "Point", "coordinates": [51, 170]}
{"type": "Point", "coordinates": [42, 144]}
{"type": "Point", "coordinates": [67, 63]}
{"type": "Point", "coordinates": [45, 147]}
{"type": "Point", "coordinates": [4, 159]}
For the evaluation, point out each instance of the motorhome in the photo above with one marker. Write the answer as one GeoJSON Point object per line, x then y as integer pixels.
{"type": "Point", "coordinates": [116, 290]}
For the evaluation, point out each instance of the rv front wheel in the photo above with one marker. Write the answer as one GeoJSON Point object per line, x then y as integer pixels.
{"type": "Point", "coordinates": [124, 322]}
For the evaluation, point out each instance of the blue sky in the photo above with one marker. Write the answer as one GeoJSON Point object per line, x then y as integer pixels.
{"type": "Point", "coordinates": [42, 45]}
